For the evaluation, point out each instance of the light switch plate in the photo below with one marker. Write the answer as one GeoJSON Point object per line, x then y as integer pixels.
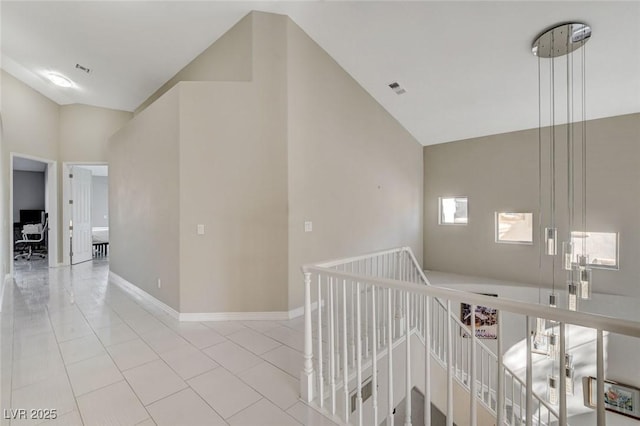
{"type": "Point", "coordinates": [200, 229]}
{"type": "Point", "coordinates": [308, 226]}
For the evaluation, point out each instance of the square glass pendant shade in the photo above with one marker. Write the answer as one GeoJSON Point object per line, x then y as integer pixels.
{"type": "Point", "coordinates": [552, 346]}
{"type": "Point", "coordinates": [569, 373]}
{"type": "Point", "coordinates": [567, 255]}
{"type": "Point", "coordinates": [572, 299]}
{"type": "Point", "coordinates": [552, 390]}
{"type": "Point", "coordinates": [585, 283]}
{"type": "Point", "coordinates": [551, 241]}
{"type": "Point", "coordinates": [568, 377]}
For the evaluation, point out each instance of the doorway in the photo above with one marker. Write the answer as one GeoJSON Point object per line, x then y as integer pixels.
{"type": "Point", "coordinates": [33, 207]}
{"type": "Point", "coordinates": [85, 213]}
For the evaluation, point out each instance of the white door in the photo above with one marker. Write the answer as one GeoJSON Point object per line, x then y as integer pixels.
{"type": "Point", "coordinates": [82, 244]}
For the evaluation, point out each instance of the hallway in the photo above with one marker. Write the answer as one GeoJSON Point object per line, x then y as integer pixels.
{"type": "Point", "coordinates": [109, 358]}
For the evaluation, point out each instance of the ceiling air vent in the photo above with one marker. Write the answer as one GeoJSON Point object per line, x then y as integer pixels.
{"type": "Point", "coordinates": [83, 68]}
{"type": "Point", "coordinates": [395, 86]}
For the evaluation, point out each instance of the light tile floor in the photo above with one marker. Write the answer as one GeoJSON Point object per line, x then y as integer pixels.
{"type": "Point", "coordinates": [73, 342]}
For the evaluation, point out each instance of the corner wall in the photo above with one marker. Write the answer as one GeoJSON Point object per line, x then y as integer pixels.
{"type": "Point", "coordinates": [300, 141]}
{"type": "Point", "coordinates": [233, 180]}
{"type": "Point", "coordinates": [500, 173]}
{"type": "Point", "coordinates": [228, 59]}
{"type": "Point", "coordinates": [354, 171]}
{"type": "Point", "coordinates": [144, 200]}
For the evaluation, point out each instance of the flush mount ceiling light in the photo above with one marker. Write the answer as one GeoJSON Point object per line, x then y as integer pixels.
{"type": "Point", "coordinates": [59, 79]}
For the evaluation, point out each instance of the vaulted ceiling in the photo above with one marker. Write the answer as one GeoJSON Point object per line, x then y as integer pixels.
{"type": "Point", "coordinates": [467, 66]}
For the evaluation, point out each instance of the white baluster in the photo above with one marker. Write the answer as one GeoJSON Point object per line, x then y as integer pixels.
{"type": "Point", "coordinates": [500, 396]}
{"type": "Point", "coordinates": [562, 377]}
{"type": "Point", "coordinates": [366, 320]}
{"type": "Point", "coordinates": [353, 325]}
{"type": "Point", "coordinates": [320, 360]}
{"type": "Point", "coordinates": [306, 379]}
{"type": "Point", "coordinates": [513, 400]}
{"type": "Point", "coordinates": [384, 317]}
{"type": "Point", "coordinates": [390, 406]}
{"type": "Point", "coordinates": [449, 338]}
{"type": "Point", "coordinates": [529, 376]}
{"type": "Point", "coordinates": [601, 418]}
{"type": "Point", "coordinates": [345, 352]}
{"type": "Point", "coordinates": [358, 356]}
{"type": "Point", "coordinates": [374, 367]}
{"type": "Point", "coordinates": [427, 361]}
{"type": "Point", "coordinates": [332, 360]}
{"type": "Point", "coordinates": [472, 370]}
{"type": "Point", "coordinates": [407, 370]}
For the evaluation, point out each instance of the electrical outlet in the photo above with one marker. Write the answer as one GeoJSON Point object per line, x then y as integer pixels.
{"type": "Point", "coordinates": [200, 229]}
{"type": "Point", "coordinates": [159, 283]}
{"type": "Point", "coordinates": [308, 226]}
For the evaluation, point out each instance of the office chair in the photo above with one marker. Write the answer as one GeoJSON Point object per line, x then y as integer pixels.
{"type": "Point", "coordinates": [32, 236]}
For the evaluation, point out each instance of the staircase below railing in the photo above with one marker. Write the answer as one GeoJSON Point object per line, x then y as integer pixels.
{"type": "Point", "coordinates": [369, 310]}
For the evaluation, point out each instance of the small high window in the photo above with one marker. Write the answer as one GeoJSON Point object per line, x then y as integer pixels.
{"type": "Point", "coordinates": [514, 228]}
{"type": "Point", "coordinates": [601, 247]}
{"type": "Point", "coordinates": [453, 211]}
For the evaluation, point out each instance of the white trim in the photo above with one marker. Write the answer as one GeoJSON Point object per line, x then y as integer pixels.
{"type": "Point", "coordinates": [126, 285]}
{"type": "Point", "coordinates": [7, 278]}
{"type": "Point", "coordinates": [299, 311]}
{"type": "Point", "coordinates": [50, 206]}
{"type": "Point", "coordinates": [66, 195]}
{"type": "Point", "coordinates": [206, 316]}
{"type": "Point", "coordinates": [235, 316]}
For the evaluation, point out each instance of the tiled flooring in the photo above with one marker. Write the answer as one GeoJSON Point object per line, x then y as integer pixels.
{"type": "Point", "coordinates": [100, 356]}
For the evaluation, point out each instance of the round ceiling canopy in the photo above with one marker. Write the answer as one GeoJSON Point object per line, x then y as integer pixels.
{"type": "Point", "coordinates": [561, 39]}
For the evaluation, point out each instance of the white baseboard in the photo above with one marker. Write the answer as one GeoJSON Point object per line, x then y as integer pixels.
{"type": "Point", "coordinates": [7, 278]}
{"type": "Point", "coordinates": [299, 311]}
{"type": "Point", "coordinates": [121, 282]}
{"type": "Point", "coordinates": [208, 316]}
{"type": "Point", "coordinates": [235, 316]}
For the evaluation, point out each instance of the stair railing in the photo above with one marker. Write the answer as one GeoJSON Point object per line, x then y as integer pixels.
{"type": "Point", "coordinates": [366, 306]}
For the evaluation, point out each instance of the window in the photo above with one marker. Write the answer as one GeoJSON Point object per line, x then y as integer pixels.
{"type": "Point", "coordinates": [601, 247]}
{"type": "Point", "coordinates": [514, 228]}
{"type": "Point", "coordinates": [453, 211]}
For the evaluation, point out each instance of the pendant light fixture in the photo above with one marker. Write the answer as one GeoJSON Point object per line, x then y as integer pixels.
{"type": "Point", "coordinates": [555, 47]}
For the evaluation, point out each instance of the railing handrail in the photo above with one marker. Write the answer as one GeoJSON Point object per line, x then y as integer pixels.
{"type": "Point", "coordinates": [589, 320]}
{"type": "Point", "coordinates": [336, 262]}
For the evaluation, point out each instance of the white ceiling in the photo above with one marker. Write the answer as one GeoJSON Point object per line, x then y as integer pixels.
{"type": "Point", "coordinates": [467, 66]}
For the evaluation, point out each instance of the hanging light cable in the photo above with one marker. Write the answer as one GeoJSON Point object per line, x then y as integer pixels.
{"type": "Point", "coordinates": [559, 41]}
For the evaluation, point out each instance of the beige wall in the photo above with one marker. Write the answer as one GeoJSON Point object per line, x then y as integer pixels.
{"type": "Point", "coordinates": [354, 171]}
{"type": "Point", "coordinates": [228, 59]}
{"type": "Point", "coordinates": [300, 141]}
{"type": "Point", "coordinates": [500, 173]}
{"type": "Point", "coordinates": [234, 181]}
{"type": "Point", "coordinates": [85, 131]}
{"type": "Point", "coordinates": [143, 200]}
{"type": "Point", "coordinates": [30, 126]}
{"type": "Point", "coordinates": [84, 136]}
{"type": "Point", "coordinates": [233, 173]}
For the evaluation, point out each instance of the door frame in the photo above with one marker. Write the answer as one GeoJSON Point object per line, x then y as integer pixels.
{"type": "Point", "coordinates": [50, 206]}
{"type": "Point", "coordinates": [66, 210]}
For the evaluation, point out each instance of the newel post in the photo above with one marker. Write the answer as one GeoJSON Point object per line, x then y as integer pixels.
{"type": "Point", "coordinates": [306, 377]}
